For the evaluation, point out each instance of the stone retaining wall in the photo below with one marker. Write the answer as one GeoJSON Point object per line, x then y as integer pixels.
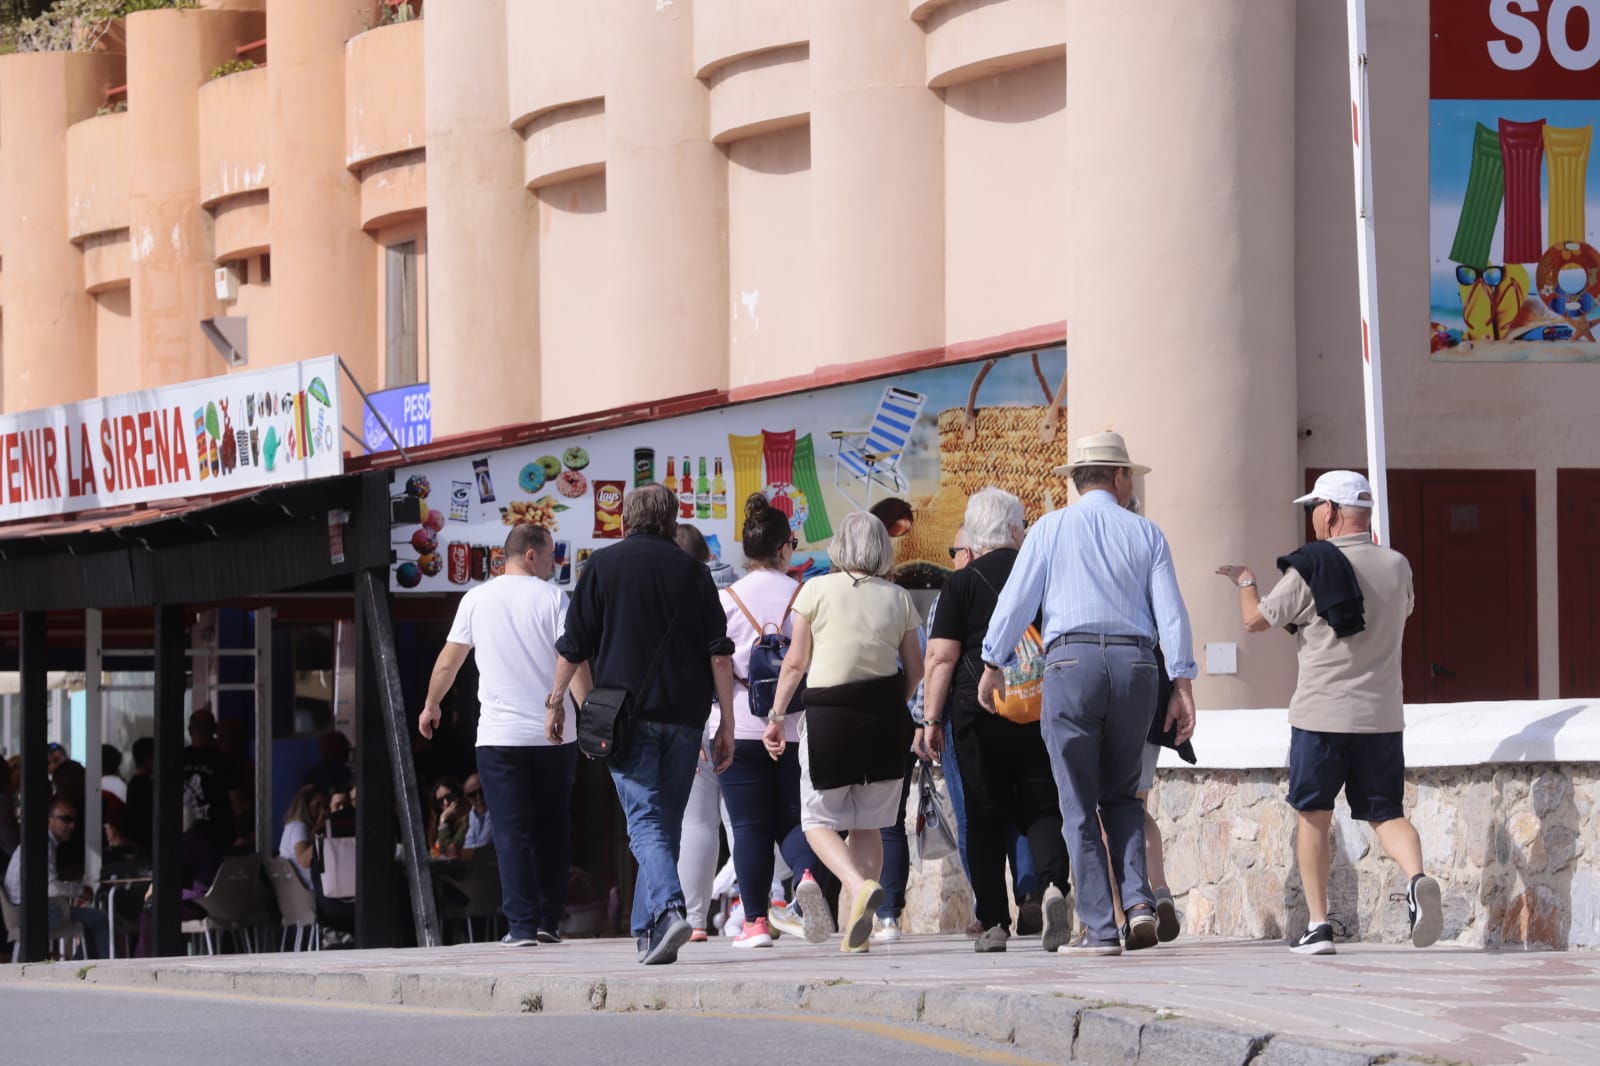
{"type": "Point", "coordinates": [1515, 847]}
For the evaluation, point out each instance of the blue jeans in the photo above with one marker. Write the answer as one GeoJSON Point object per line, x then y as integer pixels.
{"type": "Point", "coordinates": [653, 778]}
{"type": "Point", "coordinates": [1097, 702]}
{"type": "Point", "coordinates": [763, 799]}
{"type": "Point", "coordinates": [96, 930]}
{"type": "Point", "coordinates": [896, 854]}
{"type": "Point", "coordinates": [529, 793]}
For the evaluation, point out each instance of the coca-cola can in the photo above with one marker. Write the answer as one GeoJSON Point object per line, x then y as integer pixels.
{"type": "Point", "coordinates": [460, 560]}
{"type": "Point", "coordinates": [480, 562]}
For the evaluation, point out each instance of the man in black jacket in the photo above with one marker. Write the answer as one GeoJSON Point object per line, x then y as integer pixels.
{"type": "Point", "coordinates": [636, 600]}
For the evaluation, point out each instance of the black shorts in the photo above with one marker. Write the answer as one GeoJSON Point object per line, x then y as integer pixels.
{"type": "Point", "coordinates": [1370, 767]}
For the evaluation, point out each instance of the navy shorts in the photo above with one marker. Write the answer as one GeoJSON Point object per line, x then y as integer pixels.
{"type": "Point", "coordinates": [1370, 767]}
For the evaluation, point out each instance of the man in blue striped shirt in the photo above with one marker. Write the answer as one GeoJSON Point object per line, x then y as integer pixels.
{"type": "Point", "coordinates": [1102, 577]}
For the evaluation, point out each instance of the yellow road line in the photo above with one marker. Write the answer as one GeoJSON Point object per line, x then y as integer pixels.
{"type": "Point", "coordinates": [883, 1030]}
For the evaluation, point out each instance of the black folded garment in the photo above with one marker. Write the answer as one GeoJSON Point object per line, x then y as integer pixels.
{"type": "Point", "coordinates": [1159, 734]}
{"type": "Point", "coordinates": [1333, 586]}
{"type": "Point", "coordinates": [858, 732]}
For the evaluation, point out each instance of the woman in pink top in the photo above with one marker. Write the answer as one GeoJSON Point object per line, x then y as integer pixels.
{"type": "Point", "coordinates": [763, 794]}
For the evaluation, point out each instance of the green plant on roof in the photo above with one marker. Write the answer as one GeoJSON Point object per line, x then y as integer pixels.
{"type": "Point", "coordinates": [232, 66]}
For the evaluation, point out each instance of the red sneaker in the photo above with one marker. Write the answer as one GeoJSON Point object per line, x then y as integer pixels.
{"type": "Point", "coordinates": [755, 934]}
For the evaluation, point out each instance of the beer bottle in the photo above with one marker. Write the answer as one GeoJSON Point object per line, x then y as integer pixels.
{"type": "Point", "coordinates": [719, 493]}
{"type": "Point", "coordinates": [686, 492]}
{"type": "Point", "coordinates": [702, 493]}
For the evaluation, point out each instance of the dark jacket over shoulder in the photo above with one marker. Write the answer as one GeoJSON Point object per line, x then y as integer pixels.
{"type": "Point", "coordinates": [1333, 585]}
{"type": "Point", "coordinates": [858, 732]}
{"type": "Point", "coordinates": [619, 611]}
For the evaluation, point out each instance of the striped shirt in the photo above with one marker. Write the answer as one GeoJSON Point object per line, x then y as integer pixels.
{"type": "Point", "coordinates": [1094, 568]}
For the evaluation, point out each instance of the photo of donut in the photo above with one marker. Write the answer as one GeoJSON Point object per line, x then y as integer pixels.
{"type": "Point", "coordinates": [552, 466]}
{"type": "Point", "coordinates": [532, 478]}
{"type": "Point", "coordinates": [575, 458]}
{"type": "Point", "coordinates": [572, 484]}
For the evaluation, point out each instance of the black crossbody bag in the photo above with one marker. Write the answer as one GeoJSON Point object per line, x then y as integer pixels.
{"type": "Point", "coordinates": [605, 721]}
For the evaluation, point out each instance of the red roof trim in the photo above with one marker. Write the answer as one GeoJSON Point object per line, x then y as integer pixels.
{"type": "Point", "coordinates": [691, 403]}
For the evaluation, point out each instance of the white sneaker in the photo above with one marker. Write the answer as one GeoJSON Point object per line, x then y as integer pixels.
{"type": "Point", "coordinates": [885, 930]}
{"type": "Point", "coordinates": [783, 919]}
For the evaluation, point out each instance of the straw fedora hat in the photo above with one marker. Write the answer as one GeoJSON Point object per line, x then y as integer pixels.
{"type": "Point", "coordinates": [1101, 449]}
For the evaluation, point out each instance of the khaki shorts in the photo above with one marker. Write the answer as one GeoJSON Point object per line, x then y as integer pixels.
{"type": "Point", "coordinates": [870, 806]}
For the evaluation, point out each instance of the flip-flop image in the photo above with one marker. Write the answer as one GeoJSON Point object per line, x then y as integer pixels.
{"type": "Point", "coordinates": [1508, 297]}
{"type": "Point", "coordinates": [1477, 308]}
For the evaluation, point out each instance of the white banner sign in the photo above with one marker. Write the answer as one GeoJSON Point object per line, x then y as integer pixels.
{"type": "Point", "coordinates": [240, 431]}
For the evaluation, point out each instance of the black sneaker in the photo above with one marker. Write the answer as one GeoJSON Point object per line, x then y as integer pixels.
{"type": "Point", "coordinates": [1167, 927]}
{"type": "Point", "coordinates": [1427, 915]}
{"type": "Point", "coordinates": [669, 933]}
{"type": "Point", "coordinates": [1318, 940]}
{"type": "Point", "coordinates": [549, 936]}
{"type": "Point", "coordinates": [512, 940]}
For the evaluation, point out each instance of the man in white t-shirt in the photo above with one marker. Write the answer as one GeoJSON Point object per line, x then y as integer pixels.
{"type": "Point", "coordinates": [512, 623]}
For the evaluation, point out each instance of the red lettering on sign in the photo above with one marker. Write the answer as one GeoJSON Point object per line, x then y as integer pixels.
{"type": "Point", "coordinates": [30, 466]}
{"type": "Point", "coordinates": [13, 489]}
{"type": "Point", "coordinates": [52, 472]}
{"type": "Point", "coordinates": [180, 449]}
{"type": "Point", "coordinates": [146, 450]}
{"type": "Point", "coordinates": [86, 454]}
{"type": "Point", "coordinates": [108, 473]}
{"type": "Point", "coordinates": [1514, 49]}
{"type": "Point", "coordinates": [163, 451]}
{"type": "Point", "coordinates": [128, 446]}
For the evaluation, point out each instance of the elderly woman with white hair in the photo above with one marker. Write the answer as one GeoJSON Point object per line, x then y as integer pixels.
{"type": "Point", "coordinates": [1005, 769]}
{"type": "Point", "coordinates": [855, 644]}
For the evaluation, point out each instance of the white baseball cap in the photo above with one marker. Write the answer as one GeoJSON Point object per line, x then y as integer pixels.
{"type": "Point", "coordinates": [1343, 487]}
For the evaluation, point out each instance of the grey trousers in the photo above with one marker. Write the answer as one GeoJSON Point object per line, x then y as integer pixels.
{"type": "Point", "coordinates": [1097, 702]}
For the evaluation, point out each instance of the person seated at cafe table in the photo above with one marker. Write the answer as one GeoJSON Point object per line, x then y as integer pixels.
{"type": "Point", "coordinates": [69, 900]}
{"type": "Point", "coordinates": [450, 819]}
{"type": "Point", "coordinates": [301, 824]}
{"type": "Point", "coordinates": [480, 831]}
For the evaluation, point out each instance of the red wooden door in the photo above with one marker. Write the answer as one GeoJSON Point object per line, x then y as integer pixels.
{"type": "Point", "coordinates": [1475, 595]}
{"type": "Point", "coordinates": [1578, 566]}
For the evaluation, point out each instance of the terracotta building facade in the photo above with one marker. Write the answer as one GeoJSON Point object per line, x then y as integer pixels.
{"type": "Point", "coordinates": [547, 208]}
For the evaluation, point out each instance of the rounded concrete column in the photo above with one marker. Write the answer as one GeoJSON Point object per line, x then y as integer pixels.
{"type": "Point", "coordinates": [324, 266]}
{"type": "Point", "coordinates": [483, 311]}
{"type": "Point", "coordinates": [170, 55]}
{"type": "Point", "coordinates": [49, 354]}
{"type": "Point", "coordinates": [666, 212]}
{"type": "Point", "coordinates": [877, 183]}
{"type": "Point", "coordinates": [1180, 292]}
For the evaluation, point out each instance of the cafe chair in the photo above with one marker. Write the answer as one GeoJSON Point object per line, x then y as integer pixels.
{"type": "Point", "coordinates": [297, 906]}
{"type": "Point", "coordinates": [232, 903]}
{"type": "Point", "coordinates": [68, 936]}
{"type": "Point", "coordinates": [475, 895]}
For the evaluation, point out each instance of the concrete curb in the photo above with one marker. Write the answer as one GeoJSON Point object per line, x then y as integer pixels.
{"type": "Point", "coordinates": [1051, 1025]}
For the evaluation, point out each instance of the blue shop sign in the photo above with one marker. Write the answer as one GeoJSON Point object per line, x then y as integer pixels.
{"type": "Point", "coordinates": [409, 412]}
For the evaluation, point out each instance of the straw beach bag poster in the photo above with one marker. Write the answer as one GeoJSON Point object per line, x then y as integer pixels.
{"type": "Point", "coordinates": [1012, 447]}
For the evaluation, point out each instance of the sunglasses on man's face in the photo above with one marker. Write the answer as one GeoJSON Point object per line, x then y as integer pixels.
{"type": "Point", "coordinates": [794, 542]}
{"type": "Point", "coordinates": [1312, 505]}
{"type": "Point", "coordinates": [957, 551]}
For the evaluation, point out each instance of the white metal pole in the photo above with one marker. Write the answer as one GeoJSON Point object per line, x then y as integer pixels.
{"type": "Point", "coordinates": [1367, 270]}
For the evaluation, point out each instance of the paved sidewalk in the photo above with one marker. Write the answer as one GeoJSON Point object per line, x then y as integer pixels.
{"type": "Point", "coordinates": [1195, 1001]}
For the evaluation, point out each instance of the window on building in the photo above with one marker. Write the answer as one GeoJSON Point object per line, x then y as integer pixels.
{"type": "Point", "coordinates": [400, 314]}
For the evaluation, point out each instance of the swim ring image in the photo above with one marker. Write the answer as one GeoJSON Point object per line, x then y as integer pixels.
{"type": "Point", "coordinates": [791, 501]}
{"type": "Point", "coordinates": [532, 478]}
{"type": "Point", "coordinates": [1576, 295]}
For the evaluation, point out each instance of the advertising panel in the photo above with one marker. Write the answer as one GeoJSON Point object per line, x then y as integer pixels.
{"type": "Point", "coordinates": [910, 447]}
{"type": "Point", "coordinates": [1514, 203]}
{"type": "Point", "coordinates": [404, 418]}
{"type": "Point", "coordinates": [240, 431]}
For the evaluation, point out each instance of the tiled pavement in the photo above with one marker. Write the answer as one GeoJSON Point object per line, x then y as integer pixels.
{"type": "Point", "coordinates": [1444, 1003]}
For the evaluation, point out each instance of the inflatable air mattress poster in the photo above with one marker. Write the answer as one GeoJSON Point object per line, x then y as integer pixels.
{"type": "Point", "coordinates": [1514, 185]}
{"type": "Point", "coordinates": [910, 448]}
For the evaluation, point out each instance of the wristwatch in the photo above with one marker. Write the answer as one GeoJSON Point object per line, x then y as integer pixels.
{"type": "Point", "coordinates": [774, 716]}
{"type": "Point", "coordinates": [1247, 582]}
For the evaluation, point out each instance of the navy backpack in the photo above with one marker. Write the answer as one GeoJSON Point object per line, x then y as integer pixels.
{"type": "Point", "coordinates": [766, 660]}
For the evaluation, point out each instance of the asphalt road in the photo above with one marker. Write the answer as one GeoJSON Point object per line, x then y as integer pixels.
{"type": "Point", "coordinates": [81, 1023]}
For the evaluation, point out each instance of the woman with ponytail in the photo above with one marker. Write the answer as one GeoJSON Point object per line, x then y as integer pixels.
{"type": "Point", "coordinates": [762, 794]}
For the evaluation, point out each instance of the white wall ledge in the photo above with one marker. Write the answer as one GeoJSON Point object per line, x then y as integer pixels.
{"type": "Point", "coordinates": [1437, 734]}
